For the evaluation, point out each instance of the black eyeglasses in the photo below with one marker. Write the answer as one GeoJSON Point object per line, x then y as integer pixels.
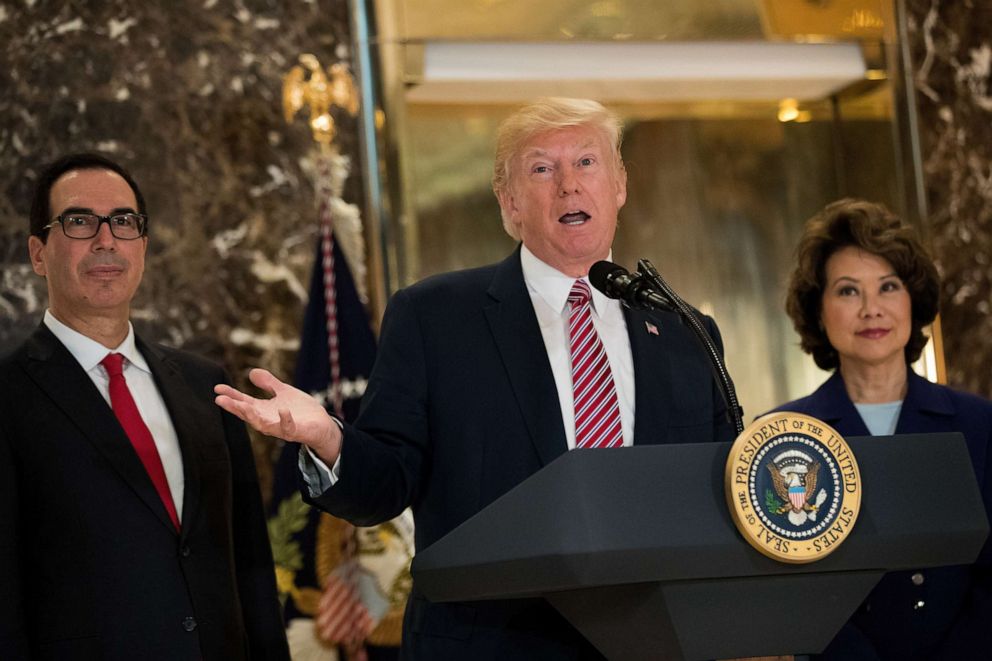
{"type": "Point", "coordinates": [125, 226]}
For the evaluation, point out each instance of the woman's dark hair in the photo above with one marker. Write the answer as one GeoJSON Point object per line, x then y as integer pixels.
{"type": "Point", "coordinates": [41, 211]}
{"type": "Point", "coordinates": [874, 229]}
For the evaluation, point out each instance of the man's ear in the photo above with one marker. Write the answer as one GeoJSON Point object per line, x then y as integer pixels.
{"type": "Point", "coordinates": [621, 187]}
{"type": "Point", "coordinates": [506, 202]}
{"type": "Point", "coordinates": [36, 249]}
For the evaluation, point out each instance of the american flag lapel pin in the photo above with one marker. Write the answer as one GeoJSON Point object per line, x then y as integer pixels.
{"type": "Point", "coordinates": [652, 329]}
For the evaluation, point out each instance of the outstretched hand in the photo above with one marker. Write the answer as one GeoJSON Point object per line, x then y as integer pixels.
{"type": "Point", "coordinates": [289, 413]}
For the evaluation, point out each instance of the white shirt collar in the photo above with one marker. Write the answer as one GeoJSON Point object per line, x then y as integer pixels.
{"type": "Point", "coordinates": [87, 351]}
{"type": "Point", "coordinates": [552, 285]}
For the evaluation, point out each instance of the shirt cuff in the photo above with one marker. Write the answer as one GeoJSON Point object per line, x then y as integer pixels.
{"type": "Point", "coordinates": [318, 477]}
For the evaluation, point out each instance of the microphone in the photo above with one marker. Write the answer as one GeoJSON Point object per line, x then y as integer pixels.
{"type": "Point", "coordinates": [634, 290]}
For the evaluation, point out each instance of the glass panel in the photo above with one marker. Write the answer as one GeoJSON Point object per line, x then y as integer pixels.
{"type": "Point", "coordinates": [716, 200]}
{"type": "Point", "coordinates": [686, 20]}
{"type": "Point", "coordinates": [718, 189]}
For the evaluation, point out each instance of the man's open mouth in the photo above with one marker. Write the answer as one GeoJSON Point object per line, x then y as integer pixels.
{"type": "Point", "coordinates": [574, 218]}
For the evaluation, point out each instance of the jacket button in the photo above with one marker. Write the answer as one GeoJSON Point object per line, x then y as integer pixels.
{"type": "Point", "coordinates": [185, 552]}
{"type": "Point", "coordinates": [189, 624]}
{"type": "Point", "coordinates": [917, 578]}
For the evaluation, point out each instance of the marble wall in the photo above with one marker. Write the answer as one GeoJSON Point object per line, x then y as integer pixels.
{"type": "Point", "coordinates": [188, 96]}
{"type": "Point", "coordinates": [951, 45]}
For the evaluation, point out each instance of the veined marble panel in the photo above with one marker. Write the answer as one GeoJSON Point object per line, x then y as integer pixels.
{"type": "Point", "coordinates": [951, 44]}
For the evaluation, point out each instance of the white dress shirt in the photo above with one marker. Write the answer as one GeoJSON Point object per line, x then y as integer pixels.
{"type": "Point", "coordinates": [88, 353]}
{"type": "Point", "coordinates": [548, 289]}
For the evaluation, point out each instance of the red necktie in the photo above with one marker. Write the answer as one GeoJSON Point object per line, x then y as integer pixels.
{"type": "Point", "coordinates": [127, 414]}
{"type": "Point", "coordinates": [597, 410]}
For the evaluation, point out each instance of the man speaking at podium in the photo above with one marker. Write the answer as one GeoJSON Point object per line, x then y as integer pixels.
{"type": "Point", "coordinates": [485, 376]}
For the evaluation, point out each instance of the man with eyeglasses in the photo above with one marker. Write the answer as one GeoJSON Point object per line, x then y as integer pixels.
{"type": "Point", "coordinates": [132, 520]}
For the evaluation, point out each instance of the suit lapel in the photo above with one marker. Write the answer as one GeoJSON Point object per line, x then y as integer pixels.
{"type": "Point", "coordinates": [926, 408]}
{"type": "Point", "coordinates": [651, 358]}
{"type": "Point", "coordinates": [59, 375]}
{"type": "Point", "coordinates": [184, 411]}
{"type": "Point", "coordinates": [518, 338]}
{"type": "Point", "coordinates": [836, 409]}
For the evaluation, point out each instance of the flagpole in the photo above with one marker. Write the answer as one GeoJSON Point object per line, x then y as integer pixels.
{"type": "Point", "coordinates": [344, 619]}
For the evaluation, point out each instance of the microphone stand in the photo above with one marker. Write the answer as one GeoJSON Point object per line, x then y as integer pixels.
{"type": "Point", "coordinates": [691, 317]}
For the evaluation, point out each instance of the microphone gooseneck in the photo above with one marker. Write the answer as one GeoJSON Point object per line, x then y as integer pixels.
{"type": "Point", "coordinates": [646, 289]}
{"type": "Point", "coordinates": [691, 316]}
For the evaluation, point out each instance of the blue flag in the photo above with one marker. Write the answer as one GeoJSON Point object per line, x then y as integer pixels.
{"type": "Point", "coordinates": [307, 545]}
{"type": "Point", "coordinates": [356, 344]}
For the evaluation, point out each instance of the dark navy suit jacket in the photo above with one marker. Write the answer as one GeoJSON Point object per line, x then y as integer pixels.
{"type": "Point", "coordinates": [955, 618]}
{"type": "Point", "coordinates": [462, 406]}
{"type": "Point", "coordinates": [91, 567]}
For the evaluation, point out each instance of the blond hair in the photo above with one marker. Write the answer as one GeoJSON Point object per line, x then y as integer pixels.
{"type": "Point", "coordinates": [546, 114]}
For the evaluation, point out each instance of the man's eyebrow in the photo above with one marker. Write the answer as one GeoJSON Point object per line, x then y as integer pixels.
{"type": "Point", "coordinates": [537, 151]}
{"type": "Point", "coordinates": [113, 212]}
{"type": "Point", "coordinates": [534, 151]}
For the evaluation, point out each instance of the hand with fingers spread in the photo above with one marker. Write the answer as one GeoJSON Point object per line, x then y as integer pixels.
{"type": "Point", "coordinates": [289, 413]}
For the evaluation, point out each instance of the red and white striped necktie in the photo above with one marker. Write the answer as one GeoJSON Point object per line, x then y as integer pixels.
{"type": "Point", "coordinates": [597, 410]}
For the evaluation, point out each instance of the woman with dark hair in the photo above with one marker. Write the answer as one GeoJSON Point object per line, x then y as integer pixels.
{"type": "Point", "coordinates": [860, 296]}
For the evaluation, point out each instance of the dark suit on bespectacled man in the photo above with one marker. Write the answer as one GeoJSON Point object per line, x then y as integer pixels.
{"type": "Point", "coordinates": [133, 522]}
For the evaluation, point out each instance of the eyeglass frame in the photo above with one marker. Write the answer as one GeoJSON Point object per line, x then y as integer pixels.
{"type": "Point", "coordinates": [60, 219]}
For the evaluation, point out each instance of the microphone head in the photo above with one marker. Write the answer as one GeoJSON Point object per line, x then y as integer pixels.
{"type": "Point", "coordinates": [602, 276]}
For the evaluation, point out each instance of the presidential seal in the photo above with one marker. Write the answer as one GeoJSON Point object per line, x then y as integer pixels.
{"type": "Point", "coordinates": [793, 487]}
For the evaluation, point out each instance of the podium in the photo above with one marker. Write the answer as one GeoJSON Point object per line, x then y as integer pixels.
{"type": "Point", "coordinates": [636, 548]}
